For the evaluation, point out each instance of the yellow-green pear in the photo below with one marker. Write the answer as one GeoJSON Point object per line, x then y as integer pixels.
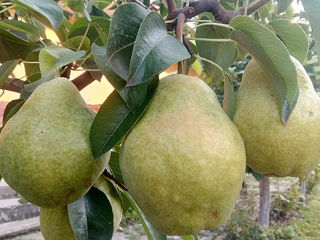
{"type": "Point", "coordinates": [184, 161]}
{"type": "Point", "coordinates": [272, 148]}
{"type": "Point", "coordinates": [55, 223]}
{"type": "Point", "coordinates": [45, 152]}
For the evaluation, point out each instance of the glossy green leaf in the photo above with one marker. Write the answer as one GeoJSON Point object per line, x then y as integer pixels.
{"type": "Point", "coordinates": [11, 109]}
{"type": "Point", "coordinates": [47, 11]}
{"type": "Point", "coordinates": [91, 216]}
{"type": "Point", "coordinates": [124, 28]}
{"type": "Point", "coordinates": [52, 58]}
{"type": "Point", "coordinates": [76, 5]}
{"type": "Point", "coordinates": [152, 233]}
{"type": "Point", "coordinates": [273, 57]}
{"type": "Point", "coordinates": [74, 43]}
{"type": "Point", "coordinates": [115, 166]}
{"type": "Point", "coordinates": [114, 120]}
{"type": "Point", "coordinates": [311, 8]}
{"type": "Point", "coordinates": [221, 53]}
{"type": "Point", "coordinates": [283, 5]}
{"type": "Point", "coordinates": [133, 96]}
{"type": "Point", "coordinates": [97, 25]}
{"type": "Point", "coordinates": [190, 237]}
{"type": "Point", "coordinates": [20, 27]}
{"type": "Point", "coordinates": [6, 69]}
{"type": "Point", "coordinates": [265, 12]}
{"type": "Point", "coordinates": [32, 69]}
{"type": "Point", "coordinates": [153, 50]}
{"type": "Point", "coordinates": [13, 47]}
{"type": "Point", "coordinates": [293, 37]}
{"type": "Point", "coordinates": [229, 100]}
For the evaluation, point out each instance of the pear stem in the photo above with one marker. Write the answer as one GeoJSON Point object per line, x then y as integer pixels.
{"type": "Point", "coordinates": [115, 180]}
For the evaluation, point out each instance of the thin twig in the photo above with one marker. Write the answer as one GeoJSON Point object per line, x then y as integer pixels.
{"type": "Point", "coordinates": [110, 176]}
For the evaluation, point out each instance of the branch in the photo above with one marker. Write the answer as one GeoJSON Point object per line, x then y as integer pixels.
{"type": "Point", "coordinates": [214, 6]}
{"type": "Point", "coordinates": [83, 80]}
{"type": "Point", "coordinates": [110, 176]}
{"type": "Point", "coordinates": [171, 6]}
{"type": "Point", "coordinates": [15, 84]}
{"type": "Point", "coordinates": [179, 29]}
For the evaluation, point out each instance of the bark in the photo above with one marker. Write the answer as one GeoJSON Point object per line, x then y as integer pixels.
{"type": "Point", "coordinates": [264, 209]}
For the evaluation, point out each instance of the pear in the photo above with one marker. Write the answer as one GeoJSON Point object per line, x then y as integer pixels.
{"type": "Point", "coordinates": [45, 152]}
{"type": "Point", "coordinates": [272, 148]}
{"type": "Point", "coordinates": [55, 223]}
{"type": "Point", "coordinates": [184, 161]}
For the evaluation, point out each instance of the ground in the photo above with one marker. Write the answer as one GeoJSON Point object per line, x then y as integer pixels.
{"type": "Point", "coordinates": [292, 216]}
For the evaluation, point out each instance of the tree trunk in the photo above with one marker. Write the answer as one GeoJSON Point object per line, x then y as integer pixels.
{"type": "Point", "coordinates": [264, 209]}
{"type": "Point", "coordinates": [303, 187]}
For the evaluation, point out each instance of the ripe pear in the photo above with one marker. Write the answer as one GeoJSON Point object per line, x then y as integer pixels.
{"type": "Point", "coordinates": [272, 148]}
{"type": "Point", "coordinates": [184, 161]}
{"type": "Point", "coordinates": [55, 223]}
{"type": "Point", "coordinates": [45, 152]}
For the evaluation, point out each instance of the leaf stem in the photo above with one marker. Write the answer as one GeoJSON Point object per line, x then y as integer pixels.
{"type": "Point", "coordinates": [213, 63]}
{"type": "Point", "coordinates": [210, 40]}
{"type": "Point", "coordinates": [214, 24]}
{"type": "Point", "coordinates": [83, 37]}
{"type": "Point", "coordinates": [6, 9]}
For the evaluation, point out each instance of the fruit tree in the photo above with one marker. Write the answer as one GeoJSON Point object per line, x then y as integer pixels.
{"type": "Point", "coordinates": [174, 148]}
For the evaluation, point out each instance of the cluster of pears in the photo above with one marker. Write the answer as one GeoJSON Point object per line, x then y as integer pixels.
{"type": "Point", "coordinates": [184, 161]}
{"type": "Point", "coordinates": [45, 155]}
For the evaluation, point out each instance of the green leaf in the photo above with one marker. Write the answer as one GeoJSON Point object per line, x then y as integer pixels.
{"type": "Point", "coordinates": [114, 120]}
{"type": "Point", "coordinates": [190, 237]}
{"type": "Point", "coordinates": [115, 166]}
{"type": "Point", "coordinates": [13, 47]}
{"type": "Point", "coordinates": [11, 109]}
{"type": "Point", "coordinates": [20, 27]}
{"type": "Point", "coordinates": [151, 232]}
{"type": "Point", "coordinates": [311, 8]}
{"type": "Point", "coordinates": [293, 37]}
{"type": "Point", "coordinates": [221, 53]}
{"type": "Point", "coordinates": [283, 5]}
{"type": "Point", "coordinates": [133, 96]}
{"type": "Point", "coordinates": [102, 3]}
{"type": "Point", "coordinates": [229, 100]}
{"type": "Point", "coordinates": [91, 216]}
{"type": "Point", "coordinates": [76, 5]}
{"type": "Point", "coordinates": [52, 58]}
{"type": "Point", "coordinates": [74, 43]}
{"type": "Point", "coordinates": [6, 69]}
{"type": "Point", "coordinates": [124, 28]}
{"type": "Point", "coordinates": [28, 89]}
{"type": "Point", "coordinates": [273, 57]}
{"type": "Point", "coordinates": [256, 175]}
{"type": "Point", "coordinates": [46, 11]}
{"type": "Point", "coordinates": [153, 50]}
{"type": "Point", "coordinates": [98, 25]}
